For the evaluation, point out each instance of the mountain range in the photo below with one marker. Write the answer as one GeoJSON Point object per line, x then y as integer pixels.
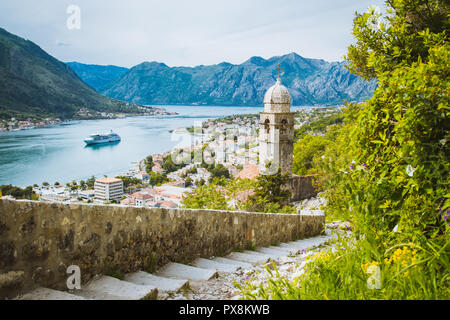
{"type": "Point", "coordinates": [35, 84]}
{"type": "Point", "coordinates": [310, 82]}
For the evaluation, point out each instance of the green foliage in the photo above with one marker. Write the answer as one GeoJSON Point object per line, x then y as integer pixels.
{"type": "Point", "coordinates": [170, 166]}
{"type": "Point", "coordinates": [44, 87]}
{"type": "Point", "coordinates": [129, 181]}
{"type": "Point", "coordinates": [314, 139]}
{"type": "Point", "coordinates": [404, 35]}
{"type": "Point", "coordinates": [151, 265]}
{"type": "Point", "coordinates": [206, 197]}
{"type": "Point", "coordinates": [114, 271]}
{"type": "Point", "coordinates": [158, 178]}
{"type": "Point", "coordinates": [398, 141]}
{"type": "Point", "coordinates": [406, 272]}
{"type": "Point", "coordinates": [269, 194]}
{"type": "Point", "coordinates": [264, 195]}
{"type": "Point", "coordinates": [148, 164]}
{"type": "Point", "coordinates": [219, 171]}
{"type": "Point", "coordinates": [387, 166]}
{"type": "Point", "coordinates": [401, 153]}
{"type": "Point", "coordinates": [188, 182]}
{"type": "Point", "coordinates": [90, 182]}
{"type": "Point", "coordinates": [320, 125]}
{"type": "Point", "coordinates": [200, 182]}
{"type": "Point", "coordinates": [306, 150]}
{"type": "Point", "coordinates": [193, 170]}
{"type": "Point", "coordinates": [18, 193]}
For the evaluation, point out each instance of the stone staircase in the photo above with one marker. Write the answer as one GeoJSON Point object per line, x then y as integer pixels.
{"type": "Point", "coordinates": [175, 277]}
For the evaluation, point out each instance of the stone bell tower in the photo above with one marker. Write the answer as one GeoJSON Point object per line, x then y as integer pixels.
{"type": "Point", "coordinates": [276, 131]}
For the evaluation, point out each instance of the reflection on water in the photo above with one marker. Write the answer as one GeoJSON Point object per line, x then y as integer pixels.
{"type": "Point", "coordinates": [102, 145]}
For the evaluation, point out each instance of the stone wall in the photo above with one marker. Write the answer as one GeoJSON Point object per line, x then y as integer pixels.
{"type": "Point", "coordinates": [302, 187]}
{"type": "Point", "coordinates": [38, 241]}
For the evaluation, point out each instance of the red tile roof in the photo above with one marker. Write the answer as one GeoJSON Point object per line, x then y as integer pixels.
{"type": "Point", "coordinates": [250, 171]}
{"type": "Point", "coordinates": [108, 180]}
{"type": "Point", "coordinates": [168, 204]}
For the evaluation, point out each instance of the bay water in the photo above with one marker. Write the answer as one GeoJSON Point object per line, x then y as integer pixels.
{"type": "Point", "coordinates": [58, 153]}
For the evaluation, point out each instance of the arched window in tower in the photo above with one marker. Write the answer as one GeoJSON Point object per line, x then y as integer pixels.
{"type": "Point", "coordinates": [266, 125]}
{"type": "Point", "coordinates": [283, 126]}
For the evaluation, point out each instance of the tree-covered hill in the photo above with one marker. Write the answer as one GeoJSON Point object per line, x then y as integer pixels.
{"type": "Point", "coordinates": [97, 76]}
{"type": "Point", "coordinates": [35, 84]}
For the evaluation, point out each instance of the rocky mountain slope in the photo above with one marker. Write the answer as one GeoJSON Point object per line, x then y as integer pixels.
{"type": "Point", "coordinates": [97, 76]}
{"type": "Point", "coordinates": [35, 84]}
{"type": "Point", "coordinates": [310, 82]}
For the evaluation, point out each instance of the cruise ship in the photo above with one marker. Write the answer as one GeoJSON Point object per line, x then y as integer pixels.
{"type": "Point", "coordinates": [102, 138]}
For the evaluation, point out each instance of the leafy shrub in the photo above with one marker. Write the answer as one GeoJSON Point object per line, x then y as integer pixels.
{"type": "Point", "coordinates": [405, 271]}
{"type": "Point", "coordinates": [388, 167]}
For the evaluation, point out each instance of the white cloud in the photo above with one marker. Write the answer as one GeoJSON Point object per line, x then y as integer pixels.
{"type": "Point", "coordinates": [185, 32]}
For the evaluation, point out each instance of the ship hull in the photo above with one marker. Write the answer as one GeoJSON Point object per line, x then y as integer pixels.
{"type": "Point", "coordinates": [102, 141]}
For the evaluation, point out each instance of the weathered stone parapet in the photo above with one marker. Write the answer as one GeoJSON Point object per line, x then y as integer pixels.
{"type": "Point", "coordinates": [38, 240]}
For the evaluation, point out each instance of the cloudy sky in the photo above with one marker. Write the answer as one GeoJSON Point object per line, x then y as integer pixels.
{"type": "Point", "coordinates": [184, 32]}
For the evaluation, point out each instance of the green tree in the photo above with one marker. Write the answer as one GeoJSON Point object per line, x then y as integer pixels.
{"type": "Point", "coordinates": [149, 164]}
{"type": "Point", "coordinates": [404, 35]}
{"type": "Point", "coordinates": [169, 166]}
{"type": "Point", "coordinates": [306, 150]}
{"type": "Point", "coordinates": [17, 192]}
{"type": "Point", "coordinates": [129, 181]}
{"type": "Point", "coordinates": [270, 193]}
{"type": "Point", "coordinates": [219, 171]}
{"type": "Point", "coordinates": [200, 182]}
{"type": "Point", "coordinates": [388, 168]}
{"type": "Point", "coordinates": [193, 170]}
{"type": "Point", "coordinates": [90, 182]}
{"type": "Point", "coordinates": [206, 197]}
{"type": "Point", "coordinates": [399, 139]}
{"type": "Point", "coordinates": [188, 182]}
{"type": "Point", "coordinates": [158, 178]}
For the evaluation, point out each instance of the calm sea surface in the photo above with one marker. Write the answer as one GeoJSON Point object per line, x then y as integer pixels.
{"type": "Point", "coordinates": [58, 153]}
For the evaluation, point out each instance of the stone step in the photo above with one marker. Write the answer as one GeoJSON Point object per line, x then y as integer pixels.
{"type": "Point", "coordinates": [211, 264]}
{"type": "Point", "coordinates": [273, 253]}
{"type": "Point", "coordinates": [49, 294]}
{"type": "Point", "coordinates": [163, 284]}
{"type": "Point", "coordinates": [282, 249]}
{"type": "Point", "coordinates": [309, 243]}
{"type": "Point", "coordinates": [243, 265]}
{"type": "Point", "coordinates": [294, 248]}
{"type": "Point", "coordinates": [182, 271]}
{"type": "Point", "coordinates": [249, 257]}
{"type": "Point", "coordinates": [298, 245]}
{"type": "Point", "coordinates": [109, 288]}
{"type": "Point", "coordinates": [313, 241]}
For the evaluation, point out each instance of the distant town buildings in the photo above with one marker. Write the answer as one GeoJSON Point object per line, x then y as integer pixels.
{"type": "Point", "coordinates": [231, 141]}
{"type": "Point", "coordinates": [14, 125]}
{"type": "Point", "coordinates": [168, 195]}
{"type": "Point", "coordinates": [108, 190]}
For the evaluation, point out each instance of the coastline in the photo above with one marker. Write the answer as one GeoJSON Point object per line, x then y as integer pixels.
{"type": "Point", "coordinates": [52, 122]}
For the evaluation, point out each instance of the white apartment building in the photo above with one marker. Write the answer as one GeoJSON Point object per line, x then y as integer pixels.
{"type": "Point", "coordinates": [108, 190]}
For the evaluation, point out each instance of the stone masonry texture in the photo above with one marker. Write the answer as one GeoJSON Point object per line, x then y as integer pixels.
{"type": "Point", "coordinates": [39, 240]}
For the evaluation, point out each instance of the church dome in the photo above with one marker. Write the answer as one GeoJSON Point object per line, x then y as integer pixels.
{"type": "Point", "coordinates": [277, 94]}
